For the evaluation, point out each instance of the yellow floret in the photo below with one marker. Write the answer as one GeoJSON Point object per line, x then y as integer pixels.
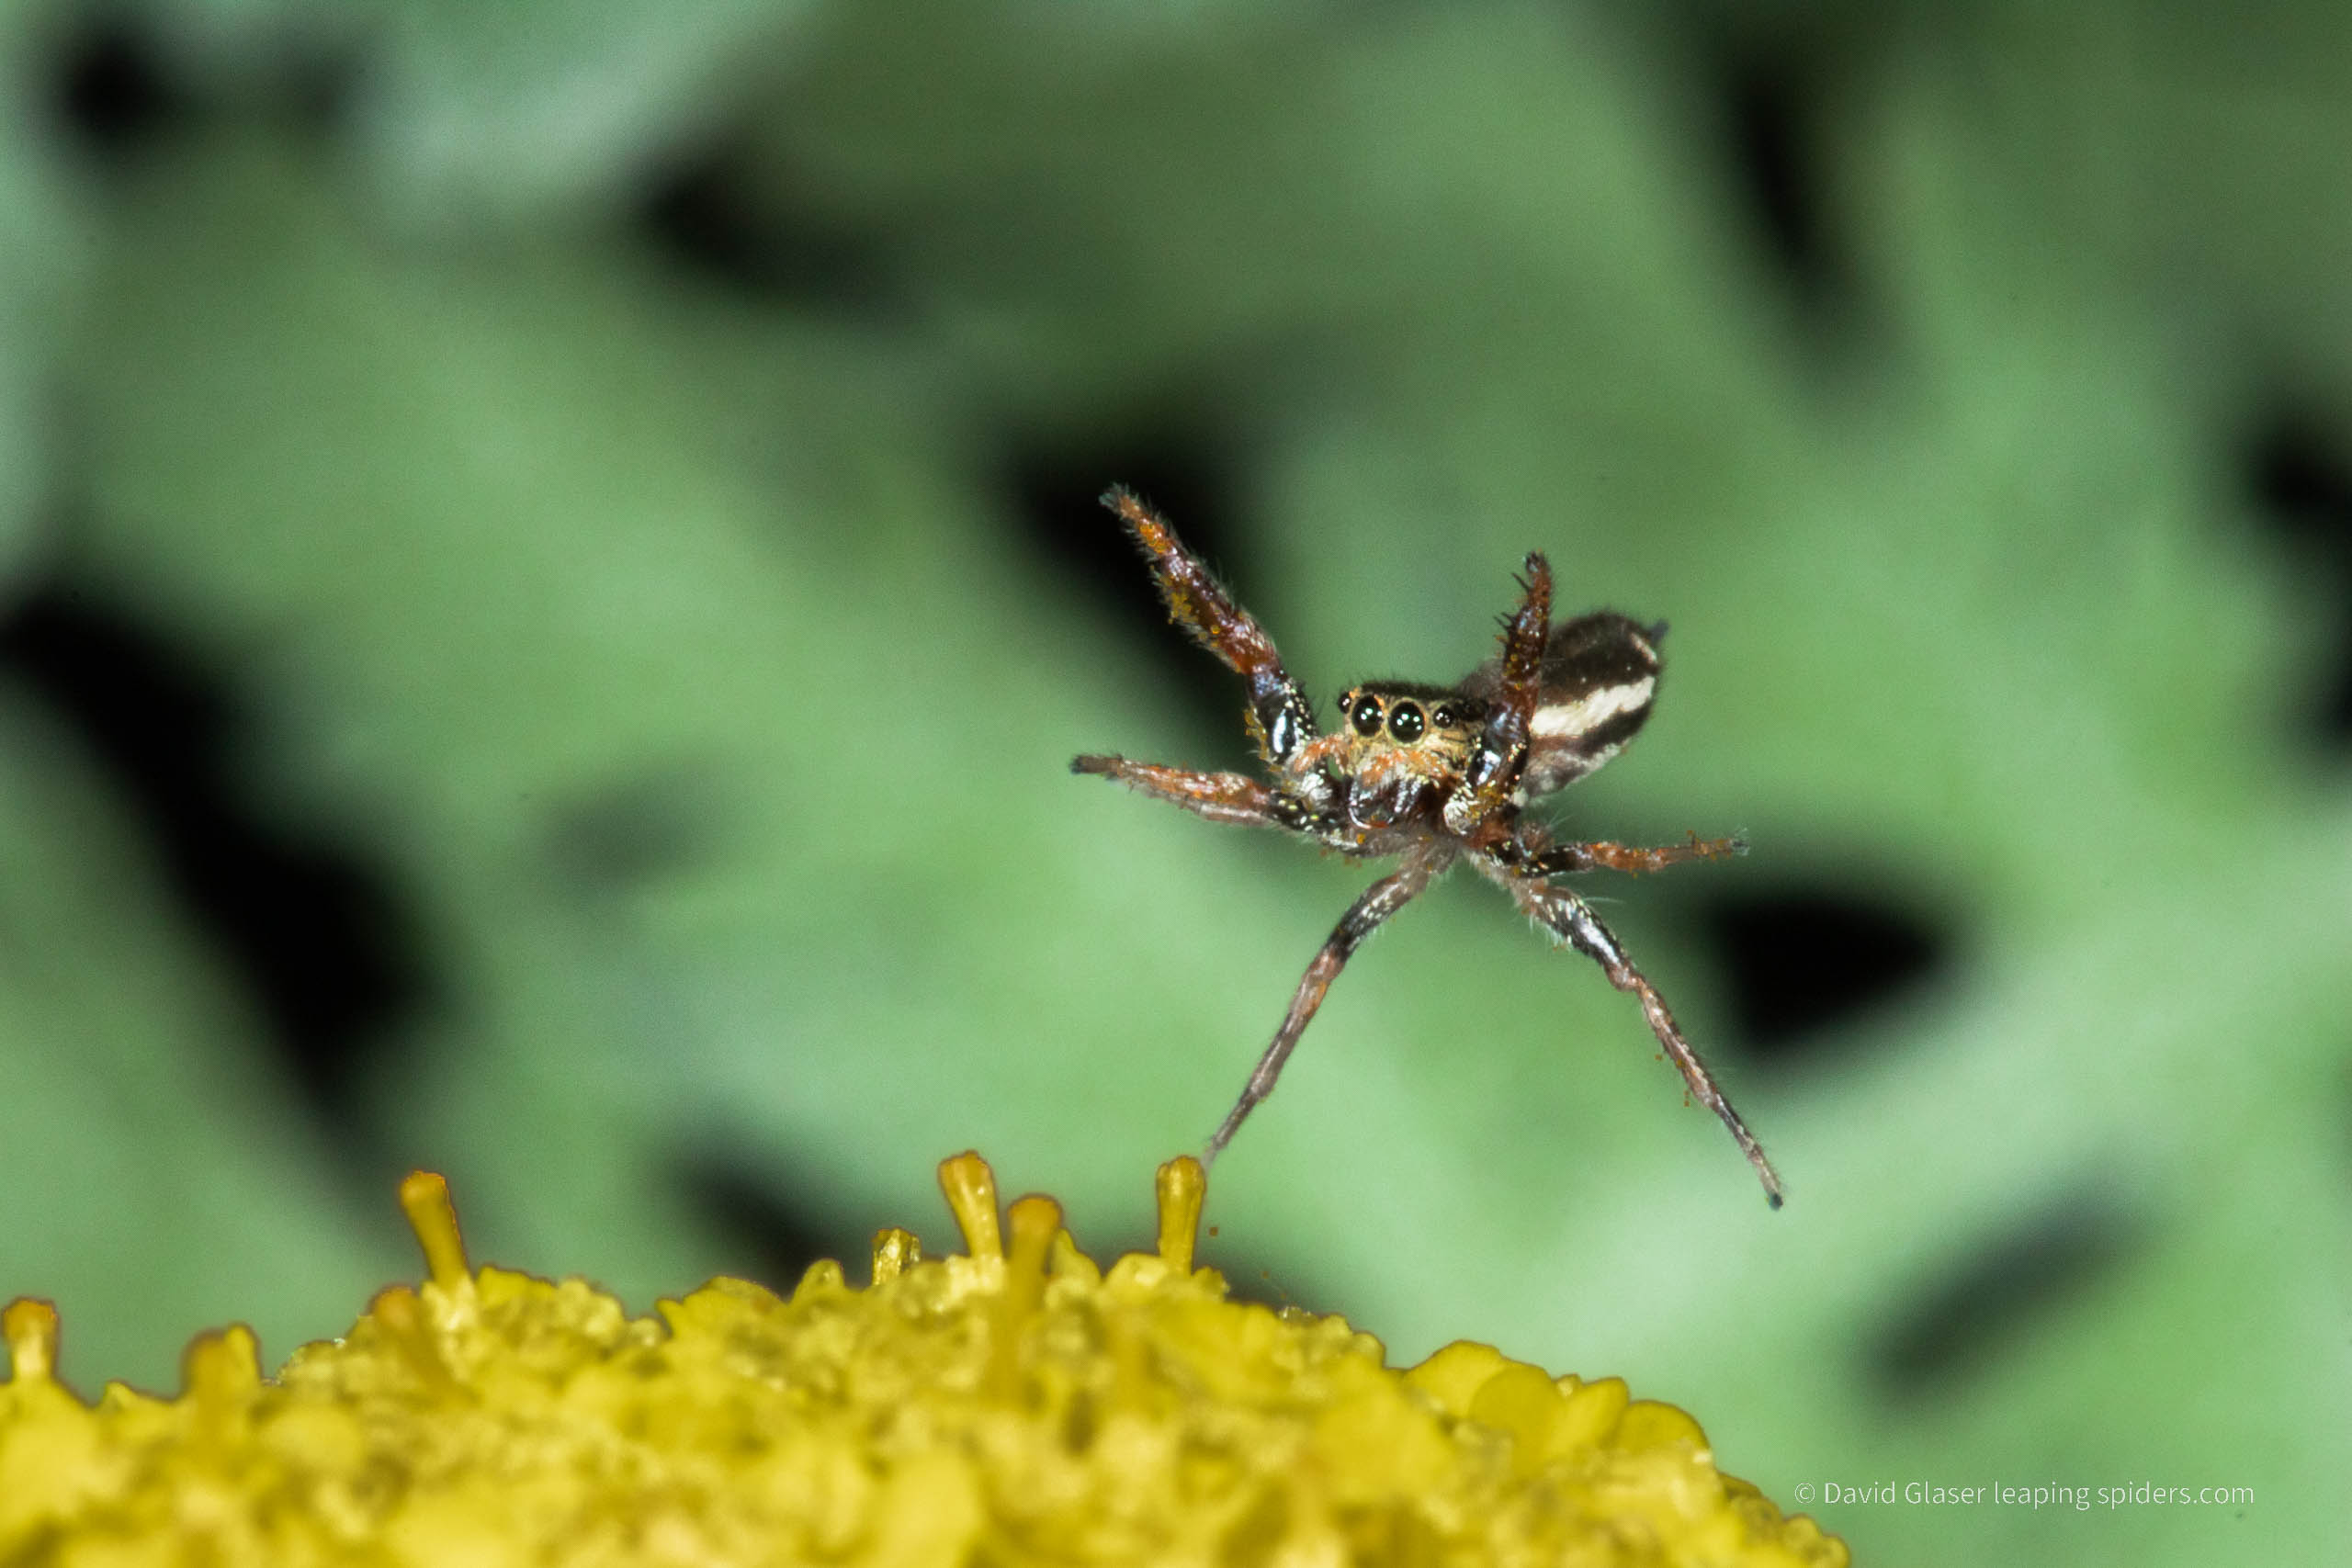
{"type": "Point", "coordinates": [1015, 1404]}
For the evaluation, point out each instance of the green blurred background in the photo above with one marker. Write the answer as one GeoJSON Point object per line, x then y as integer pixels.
{"type": "Point", "coordinates": [552, 581]}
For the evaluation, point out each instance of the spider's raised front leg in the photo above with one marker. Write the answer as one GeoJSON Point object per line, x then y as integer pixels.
{"type": "Point", "coordinates": [1280, 718]}
{"type": "Point", "coordinates": [1379, 901]}
{"type": "Point", "coordinates": [1220, 798]}
{"type": "Point", "coordinates": [1572, 921]}
{"type": "Point", "coordinates": [1500, 755]}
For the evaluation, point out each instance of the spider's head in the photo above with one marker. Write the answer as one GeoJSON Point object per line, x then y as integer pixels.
{"type": "Point", "coordinates": [1436, 722]}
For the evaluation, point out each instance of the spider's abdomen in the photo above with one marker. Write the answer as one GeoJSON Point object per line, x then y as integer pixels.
{"type": "Point", "coordinates": [1599, 680]}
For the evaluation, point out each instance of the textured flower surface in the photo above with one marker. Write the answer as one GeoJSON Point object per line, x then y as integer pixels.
{"type": "Point", "coordinates": [1016, 1404]}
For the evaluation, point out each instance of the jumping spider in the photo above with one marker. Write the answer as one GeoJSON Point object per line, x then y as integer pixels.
{"type": "Point", "coordinates": [1432, 774]}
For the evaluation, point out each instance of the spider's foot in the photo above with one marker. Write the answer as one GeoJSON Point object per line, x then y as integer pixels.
{"type": "Point", "coordinates": [1718, 848]}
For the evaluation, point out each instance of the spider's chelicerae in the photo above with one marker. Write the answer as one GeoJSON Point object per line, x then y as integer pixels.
{"type": "Point", "coordinates": [1432, 774]}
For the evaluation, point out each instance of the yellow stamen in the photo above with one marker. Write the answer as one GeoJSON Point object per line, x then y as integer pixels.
{"type": "Point", "coordinates": [222, 1365]}
{"type": "Point", "coordinates": [1183, 1186]}
{"type": "Point", "coordinates": [970, 1187]}
{"type": "Point", "coordinates": [895, 1252]}
{"type": "Point", "coordinates": [1035, 1221]}
{"type": "Point", "coordinates": [401, 1315]}
{"type": "Point", "coordinates": [30, 1328]}
{"type": "Point", "coordinates": [425, 1198]}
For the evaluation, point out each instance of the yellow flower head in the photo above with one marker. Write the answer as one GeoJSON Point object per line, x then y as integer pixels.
{"type": "Point", "coordinates": [1015, 1404]}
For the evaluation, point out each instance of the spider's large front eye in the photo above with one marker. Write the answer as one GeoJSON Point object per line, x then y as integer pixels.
{"type": "Point", "coordinates": [1365, 717]}
{"type": "Point", "coordinates": [1404, 723]}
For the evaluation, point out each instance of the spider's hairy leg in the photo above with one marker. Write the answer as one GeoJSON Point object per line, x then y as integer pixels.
{"type": "Point", "coordinates": [1501, 752]}
{"type": "Point", "coordinates": [1280, 718]}
{"type": "Point", "coordinates": [1379, 901]}
{"type": "Point", "coordinates": [1568, 917]}
{"type": "Point", "coordinates": [1220, 798]}
{"type": "Point", "coordinates": [1561, 858]}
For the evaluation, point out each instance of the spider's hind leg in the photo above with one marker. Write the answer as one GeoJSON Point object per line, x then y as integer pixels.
{"type": "Point", "coordinates": [1568, 917]}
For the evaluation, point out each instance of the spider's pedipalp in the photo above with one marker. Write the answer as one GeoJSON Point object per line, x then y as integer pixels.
{"type": "Point", "coordinates": [1280, 718]}
{"type": "Point", "coordinates": [1570, 919]}
{"type": "Point", "coordinates": [1500, 755]}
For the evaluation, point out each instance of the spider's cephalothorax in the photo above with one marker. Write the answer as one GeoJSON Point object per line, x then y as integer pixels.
{"type": "Point", "coordinates": [1433, 774]}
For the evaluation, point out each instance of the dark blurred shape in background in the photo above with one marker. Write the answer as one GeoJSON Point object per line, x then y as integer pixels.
{"type": "Point", "coordinates": [707, 211]}
{"type": "Point", "coordinates": [113, 92]}
{"type": "Point", "coordinates": [315, 938]}
{"type": "Point", "coordinates": [1803, 961]}
{"type": "Point", "coordinates": [2304, 484]}
{"type": "Point", "coordinates": [2009, 1287]}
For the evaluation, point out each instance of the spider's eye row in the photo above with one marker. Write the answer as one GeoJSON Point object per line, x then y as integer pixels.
{"type": "Point", "coordinates": [1404, 723]}
{"type": "Point", "coordinates": [1365, 717]}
